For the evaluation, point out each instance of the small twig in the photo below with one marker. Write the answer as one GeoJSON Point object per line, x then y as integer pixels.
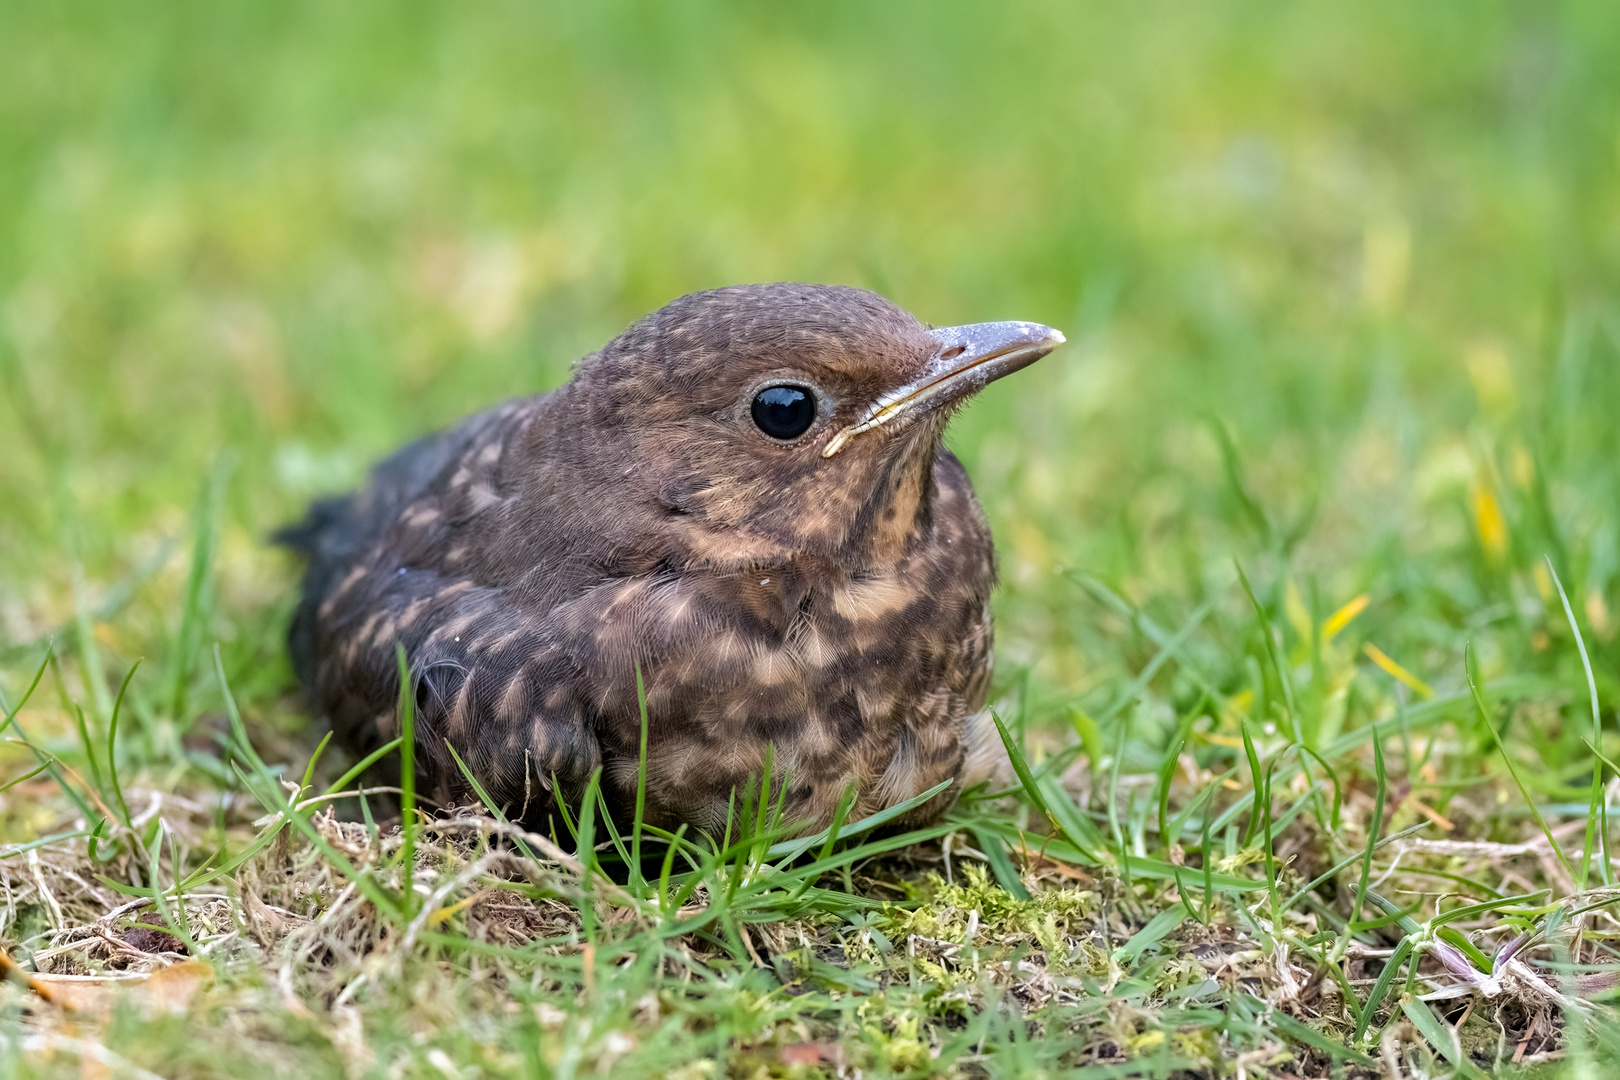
{"type": "Point", "coordinates": [10, 969]}
{"type": "Point", "coordinates": [316, 800]}
{"type": "Point", "coordinates": [742, 932]}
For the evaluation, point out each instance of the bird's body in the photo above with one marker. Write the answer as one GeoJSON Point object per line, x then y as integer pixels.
{"type": "Point", "coordinates": [822, 592]}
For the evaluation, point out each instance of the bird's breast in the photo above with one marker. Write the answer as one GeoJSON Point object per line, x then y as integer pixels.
{"type": "Point", "coordinates": [836, 677]}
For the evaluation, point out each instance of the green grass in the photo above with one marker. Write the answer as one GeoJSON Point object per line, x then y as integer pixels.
{"type": "Point", "coordinates": [1310, 539]}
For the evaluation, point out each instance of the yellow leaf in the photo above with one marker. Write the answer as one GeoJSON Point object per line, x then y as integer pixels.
{"type": "Point", "coordinates": [1381, 658]}
{"type": "Point", "coordinates": [1341, 618]}
{"type": "Point", "coordinates": [442, 916]}
{"type": "Point", "coordinates": [1493, 534]}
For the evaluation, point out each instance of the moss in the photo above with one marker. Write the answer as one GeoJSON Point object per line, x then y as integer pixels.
{"type": "Point", "coordinates": [1046, 920]}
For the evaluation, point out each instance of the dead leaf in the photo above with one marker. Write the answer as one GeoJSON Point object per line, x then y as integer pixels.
{"type": "Point", "coordinates": [810, 1053]}
{"type": "Point", "coordinates": [171, 989]}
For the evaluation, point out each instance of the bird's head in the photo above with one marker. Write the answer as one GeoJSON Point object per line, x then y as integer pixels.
{"type": "Point", "coordinates": [759, 422]}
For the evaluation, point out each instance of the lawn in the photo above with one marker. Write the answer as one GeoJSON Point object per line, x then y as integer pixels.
{"type": "Point", "coordinates": [1307, 647]}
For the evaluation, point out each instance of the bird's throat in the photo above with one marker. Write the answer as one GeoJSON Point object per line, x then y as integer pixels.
{"type": "Point", "coordinates": [898, 512]}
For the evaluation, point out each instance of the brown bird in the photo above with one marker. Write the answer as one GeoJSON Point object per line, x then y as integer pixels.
{"type": "Point", "coordinates": [745, 497]}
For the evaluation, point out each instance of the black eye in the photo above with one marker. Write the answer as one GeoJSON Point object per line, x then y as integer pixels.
{"type": "Point", "coordinates": [784, 412]}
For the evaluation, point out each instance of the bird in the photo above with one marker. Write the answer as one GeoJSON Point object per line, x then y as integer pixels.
{"type": "Point", "coordinates": [735, 528]}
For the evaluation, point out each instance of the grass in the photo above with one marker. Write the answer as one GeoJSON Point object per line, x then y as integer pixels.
{"type": "Point", "coordinates": [1307, 652]}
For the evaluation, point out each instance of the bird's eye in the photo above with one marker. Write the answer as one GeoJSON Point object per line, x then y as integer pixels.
{"type": "Point", "coordinates": [784, 412]}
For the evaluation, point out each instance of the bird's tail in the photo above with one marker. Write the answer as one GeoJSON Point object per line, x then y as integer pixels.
{"type": "Point", "coordinates": [320, 538]}
{"type": "Point", "coordinates": [310, 535]}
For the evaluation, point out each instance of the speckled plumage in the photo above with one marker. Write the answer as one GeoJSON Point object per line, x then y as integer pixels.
{"type": "Point", "coordinates": [531, 558]}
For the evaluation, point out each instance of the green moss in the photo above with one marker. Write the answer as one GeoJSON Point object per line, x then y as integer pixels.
{"type": "Point", "coordinates": [997, 918]}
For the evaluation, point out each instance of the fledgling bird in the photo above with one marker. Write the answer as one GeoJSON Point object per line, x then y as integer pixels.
{"type": "Point", "coordinates": [745, 497]}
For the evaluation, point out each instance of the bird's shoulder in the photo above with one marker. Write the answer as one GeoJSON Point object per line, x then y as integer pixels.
{"type": "Point", "coordinates": [418, 476]}
{"type": "Point", "coordinates": [431, 503]}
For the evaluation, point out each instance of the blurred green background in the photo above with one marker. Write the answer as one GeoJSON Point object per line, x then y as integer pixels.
{"type": "Point", "coordinates": [1339, 282]}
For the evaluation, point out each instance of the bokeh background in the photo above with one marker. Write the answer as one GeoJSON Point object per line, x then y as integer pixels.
{"type": "Point", "coordinates": [1339, 282]}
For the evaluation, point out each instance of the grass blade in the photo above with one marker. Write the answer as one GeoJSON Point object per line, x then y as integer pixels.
{"type": "Point", "coordinates": [638, 883]}
{"type": "Point", "coordinates": [1090, 734]}
{"type": "Point", "coordinates": [1598, 808]}
{"type": "Point", "coordinates": [792, 849]}
{"type": "Point", "coordinates": [1441, 1037]}
{"type": "Point", "coordinates": [1021, 768]}
{"type": "Point", "coordinates": [112, 746]}
{"type": "Point", "coordinates": [363, 764]}
{"type": "Point", "coordinates": [1167, 766]}
{"type": "Point", "coordinates": [407, 782]}
{"type": "Point", "coordinates": [1381, 779]}
{"type": "Point", "coordinates": [309, 769]}
{"type": "Point", "coordinates": [1154, 932]}
{"type": "Point", "coordinates": [483, 797]}
{"type": "Point", "coordinates": [1380, 990]}
{"type": "Point", "coordinates": [11, 714]}
{"type": "Point", "coordinates": [1072, 823]}
{"type": "Point", "coordinates": [1485, 718]}
{"type": "Point", "coordinates": [1256, 779]}
{"type": "Point", "coordinates": [1302, 1031]}
{"type": "Point", "coordinates": [198, 596]}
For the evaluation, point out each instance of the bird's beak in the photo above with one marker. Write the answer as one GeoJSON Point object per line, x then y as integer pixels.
{"type": "Point", "coordinates": [965, 360]}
